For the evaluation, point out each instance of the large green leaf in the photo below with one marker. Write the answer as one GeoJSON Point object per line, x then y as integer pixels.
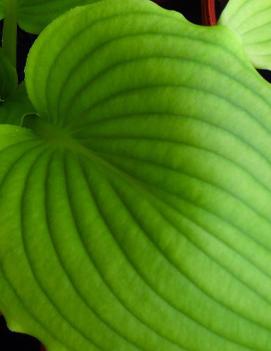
{"type": "Point", "coordinates": [16, 107]}
{"type": "Point", "coordinates": [136, 214]}
{"type": "Point", "coordinates": [251, 19]}
{"type": "Point", "coordinates": [8, 77]}
{"type": "Point", "coordinates": [34, 15]}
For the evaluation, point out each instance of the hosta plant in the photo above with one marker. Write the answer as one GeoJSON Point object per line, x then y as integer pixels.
{"type": "Point", "coordinates": [135, 188]}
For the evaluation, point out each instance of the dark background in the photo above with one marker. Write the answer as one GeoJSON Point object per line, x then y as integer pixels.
{"type": "Point", "coordinates": [191, 10]}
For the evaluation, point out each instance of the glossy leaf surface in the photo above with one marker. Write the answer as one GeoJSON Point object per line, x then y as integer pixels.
{"type": "Point", "coordinates": [138, 205]}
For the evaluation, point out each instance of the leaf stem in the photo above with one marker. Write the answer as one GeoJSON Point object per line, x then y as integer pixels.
{"type": "Point", "coordinates": [208, 10]}
{"type": "Point", "coordinates": [9, 39]}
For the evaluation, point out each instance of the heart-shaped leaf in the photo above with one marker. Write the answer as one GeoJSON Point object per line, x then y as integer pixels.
{"type": "Point", "coordinates": [136, 214]}
{"type": "Point", "coordinates": [8, 77]}
{"type": "Point", "coordinates": [251, 19]}
{"type": "Point", "coordinates": [34, 15]}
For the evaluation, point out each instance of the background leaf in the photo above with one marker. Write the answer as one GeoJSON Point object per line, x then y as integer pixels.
{"type": "Point", "coordinates": [8, 77]}
{"type": "Point", "coordinates": [1, 9]}
{"type": "Point", "coordinates": [34, 15]}
{"type": "Point", "coordinates": [13, 110]}
{"type": "Point", "coordinates": [139, 205]}
{"type": "Point", "coordinates": [251, 19]}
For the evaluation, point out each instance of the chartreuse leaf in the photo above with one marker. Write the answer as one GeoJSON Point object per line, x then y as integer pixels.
{"type": "Point", "coordinates": [251, 19]}
{"type": "Point", "coordinates": [8, 77]}
{"type": "Point", "coordinates": [34, 15]}
{"type": "Point", "coordinates": [136, 213]}
{"type": "Point", "coordinates": [16, 107]}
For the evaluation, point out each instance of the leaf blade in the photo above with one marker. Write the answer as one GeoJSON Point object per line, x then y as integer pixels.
{"type": "Point", "coordinates": [250, 21]}
{"type": "Point", "coordinates": [154, 199]}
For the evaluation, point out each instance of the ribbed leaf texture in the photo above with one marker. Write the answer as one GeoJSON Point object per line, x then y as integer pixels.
{"type": "Point", "coordinates": [251, 20]}
{"type": "Point", "coordinates": [135, 215]}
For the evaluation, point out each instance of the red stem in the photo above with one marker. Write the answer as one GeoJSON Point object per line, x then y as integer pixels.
{"type": "Point", "coordinates": [208, 12]}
